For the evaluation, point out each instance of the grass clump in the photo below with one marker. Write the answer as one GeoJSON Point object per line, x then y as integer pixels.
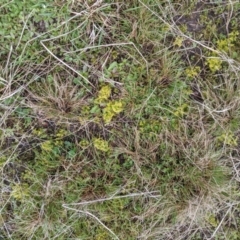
{"type": "Point", "coordinates": [119, 120]}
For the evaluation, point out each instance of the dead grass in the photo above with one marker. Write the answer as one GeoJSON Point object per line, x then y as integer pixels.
{"type": "Point", "coordinates": [170, 168]}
